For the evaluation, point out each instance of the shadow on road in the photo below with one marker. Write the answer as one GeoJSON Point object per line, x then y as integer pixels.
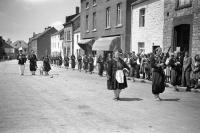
{"type": "Point", "coordinates": [131, 99]}
{"type": "Point", "coordinates": [172, 100]}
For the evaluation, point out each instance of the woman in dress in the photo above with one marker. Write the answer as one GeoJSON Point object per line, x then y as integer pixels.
{"type": "Point", "coordinates": [116, 79]}
{"type": "Point", "coordinates": [195, 71]}
{"type": "Point", "coordinates": [158, 76]}
{"type": "Point", "coordinates": [33, 62]}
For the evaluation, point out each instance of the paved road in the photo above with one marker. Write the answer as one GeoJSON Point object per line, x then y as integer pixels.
{"type": "Point", "coordinates": [74, 102]}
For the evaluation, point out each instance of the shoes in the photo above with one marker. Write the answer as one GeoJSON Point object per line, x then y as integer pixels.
{"type": "Point", "coordinates": [188, 90]}
{"type": "Point", "coordinates": [116, 98]}
{"type": "Point", "coordinates": [157, 98]}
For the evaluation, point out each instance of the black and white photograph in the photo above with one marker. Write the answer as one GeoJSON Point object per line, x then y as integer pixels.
{"type": "Point", "coordinates": [99, 66]}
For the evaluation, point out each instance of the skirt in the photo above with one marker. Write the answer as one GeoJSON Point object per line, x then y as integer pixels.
{"type": "Point", "coordinates": [158, 83]}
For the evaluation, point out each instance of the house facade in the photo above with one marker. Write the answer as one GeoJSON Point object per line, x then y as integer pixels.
{"type": "Point", "coordinates": [72, 23]}
{"type": "Point", "coordinates": [41, 43]}
{"type": "Point", "coordinates": [57, 44]}
{"type": "Point", "coordinates": [147, 25]}
{"type": "Point", "coordinates": [182, 25]}
{"type": "Point", "coordinates": [105, 21]}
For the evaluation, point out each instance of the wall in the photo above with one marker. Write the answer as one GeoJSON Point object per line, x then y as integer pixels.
{"type": "Point", "coordinates": [171, 16]}
{"type": "Point", "coordinates": [101, 30]}
{"type": "Point", "coordinates": [152, 33]}
{"type": "Point", "coordinates": [77, 37]}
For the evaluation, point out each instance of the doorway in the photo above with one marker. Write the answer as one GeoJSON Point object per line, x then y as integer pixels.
{"type": "Point", "coordinates": [182, 37]}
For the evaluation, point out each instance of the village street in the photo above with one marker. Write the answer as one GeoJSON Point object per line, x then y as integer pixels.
{"type": "Point", "coordinates": [74, 102]}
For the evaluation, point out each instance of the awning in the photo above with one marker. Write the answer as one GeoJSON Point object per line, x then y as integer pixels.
{"type": "Point", "coordinates": [107, 44]}
{"type": "Point", "coordinates": [86, 44]}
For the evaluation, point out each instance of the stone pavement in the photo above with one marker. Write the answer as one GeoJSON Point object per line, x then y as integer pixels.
{"type": "Point", "coordinates": [75, 102]}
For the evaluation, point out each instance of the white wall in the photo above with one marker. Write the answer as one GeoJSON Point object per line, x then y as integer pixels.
{"type": "Point", "coordinates": [57, 45]}
{"type": "Point", "coordinates": [77, 37]}
{"type": "Point", "coordinates": [154, 22]}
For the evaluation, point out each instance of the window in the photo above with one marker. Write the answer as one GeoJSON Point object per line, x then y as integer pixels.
{"type": "Point", "coordinates": [87, 5]}
{"type": "Point", "coordinates": [141, 48]}
{"type": "Point", "coordinates": [68, 36]}
{"type": "Point", "coordinates": [87, 23]}
{"type": "Point", "coordinates": [108, 17]}
{"type": "Point", "coordinates": [94, 21]}
{"type": "Point", "coordinates": [119, 18]}
{"type": "Point", "coordinates": [184, 3]}
{"type": "Point", "coordinates": [94, 2]}
{"type": "Point", "coordinates": [142, 18]}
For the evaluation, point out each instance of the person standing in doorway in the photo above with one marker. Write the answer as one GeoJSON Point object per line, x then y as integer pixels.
{"type": "Point", "coordinates": [33, 62]}
{"type": "Point", "coordinates": [21, 61]}
{"type": "Point", "coordinates": [116, 79]}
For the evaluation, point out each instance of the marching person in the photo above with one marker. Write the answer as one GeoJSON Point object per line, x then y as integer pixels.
{"type": "Point", "coordinates": [187, 61]}
{"type": "Point", "coordinates": [66, 59]}
{"type": "Point", "coordinates": [85, 62]}
{"type": "Point", "coordinates": [100, 65]}
{"type": "Point", "coordinates": [91, 64]}
{"type": "Point", "coordinates": [46, 65]}
{"type": "Point", "coordinates": [79, 63]}
{"type": "Point", "coordinates": [33, 62]}
{"type": "Point", "coordinates": [158, 76]}
{"type": "Point", "coordinates": [21, 61]}
{"type": "Point", "coordinates": [73, 61]}
{"type": "Point", "coordinates": [60, 61]}
{"type": "Point", "coordinates": [116, 79]}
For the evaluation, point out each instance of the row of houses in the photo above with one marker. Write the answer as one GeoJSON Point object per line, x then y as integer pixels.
{"type": "Point", "coordinates": [9, 50]}
{"type": "Point", "coordinates": [132, 25]}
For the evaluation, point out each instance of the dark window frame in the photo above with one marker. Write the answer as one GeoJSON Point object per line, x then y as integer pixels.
{"type": "Point", "coordinates": [142, 13]}
{"type": "Point", "coordinates": [179, 7]}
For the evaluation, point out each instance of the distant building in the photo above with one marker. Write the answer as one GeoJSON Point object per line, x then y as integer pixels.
{"type": "Point", "coordinates": [57, 44]}
{"type": "Point", "coordinates": [108, 23]}
{"type": "Point", "coordinates": [147, 25]}
{"type": "Point", "coordinates": [20, 43]}
{"type": "Point", "coordinates": [6, 50]}
{"type": "Point", "coordinates": [72, 23]}
{"type": "Point", "coordinates": [41, 43]}
{"type": "Point", "coordinates": [182, 25]}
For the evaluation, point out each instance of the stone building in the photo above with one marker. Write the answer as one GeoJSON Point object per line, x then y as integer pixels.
{"type": "Point", "coordinates": [108, 23]}
{"type": "Point", "coordinates": [41, 43]}
{"type": "Point", "coordinates": [182, 25]}
{"type": "Point", "coordinates": [147, 25]}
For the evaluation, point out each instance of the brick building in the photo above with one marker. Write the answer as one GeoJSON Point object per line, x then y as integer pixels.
{"type": "Point", "coordinates": [182, 25]}
{"type": "Point", "coordinates": [41, 43]}
{"type": "Point", "coordinates": [72, 23]}
{"type": "Point", "coordinates": [107, 22]}
{"type": "Point", "coordinates": [147, 25]}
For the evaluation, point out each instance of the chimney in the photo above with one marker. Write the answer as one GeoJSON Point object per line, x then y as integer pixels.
{"type": "Point", "coordinates": [77, 10]}
{"type": "Point", "coordinates": [34, 34]}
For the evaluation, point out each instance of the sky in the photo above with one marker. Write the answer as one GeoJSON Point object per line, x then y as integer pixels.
{"type": "Point", "coordinates": [20, 18]}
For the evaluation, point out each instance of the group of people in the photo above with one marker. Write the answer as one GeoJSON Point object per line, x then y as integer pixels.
{"type": "Point", "coordinates": [22, 58]}
{"type": "Point", "coordinates": [177, 68]}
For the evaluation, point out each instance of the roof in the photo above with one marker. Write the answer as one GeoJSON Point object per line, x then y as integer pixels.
{"type": "Point", "coordinates": [58, 32]}
{"type": "Point", "coordinates": [138, 2]}
{"type": "Point", "coordinates": [19, 43]}
{"type": "Point", "coordinates": [5, 45]}
{"type": "Point", "coordinates": [41, 34]}
{"type": "Point", "coordinates": [69, 19]}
